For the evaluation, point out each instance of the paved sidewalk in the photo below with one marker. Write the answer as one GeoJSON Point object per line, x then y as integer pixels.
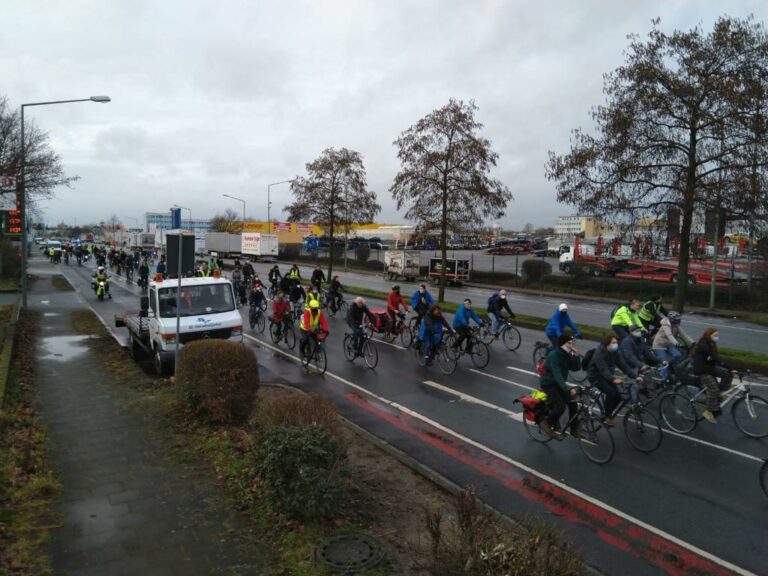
{"type": "Point", "coordinates": [128, 507]}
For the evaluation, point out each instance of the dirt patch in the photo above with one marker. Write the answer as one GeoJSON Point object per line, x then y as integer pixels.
{"type": "Point", "coordinates": [60, 283]}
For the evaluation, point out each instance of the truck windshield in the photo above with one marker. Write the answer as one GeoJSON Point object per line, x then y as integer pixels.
{"type": "Point", "coordinates": [196, 300]}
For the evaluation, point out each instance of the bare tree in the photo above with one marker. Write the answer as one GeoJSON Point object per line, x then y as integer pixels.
{"type": "Point", "coordinates": [334, 192]}
{"type": "Point", "coordinates": [528, 228]}
{"type": "Point", "coordinates": [227, 222]}
{"type": "Point", "coordinates": [671, 134]}
{"type": "Point", "coordinates": [44, 169]}
{"type": "Point", "coordinates": [444, 176]}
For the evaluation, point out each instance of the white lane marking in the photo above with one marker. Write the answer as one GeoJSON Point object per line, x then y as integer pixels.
{"type": "Point", "coordinates": [664, 430]}
{"type": "Point", "coordinates": [578, 493]}
{"type": "Point", "coordinates": [472, 400]}
{"type": "Point", "coordinates": [501, 379]}
{"type": "Point", "coordinates": [390, 344]}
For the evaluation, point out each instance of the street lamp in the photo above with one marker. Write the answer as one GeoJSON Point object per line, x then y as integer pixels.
{"type": "Point", "coordinates": [240, 200]}
{"type": "Point", "coordinates": [188, 210]}
{"type": "Point", "coordinates": [23, 187]}
{"type": "Point", "coordinates": [269, 196]}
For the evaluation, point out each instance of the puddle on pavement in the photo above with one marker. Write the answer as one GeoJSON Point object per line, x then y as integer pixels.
{"type": "Point", "coordinates": [63, 348]}
{"type": "Point", "coordinates": [55, 313]}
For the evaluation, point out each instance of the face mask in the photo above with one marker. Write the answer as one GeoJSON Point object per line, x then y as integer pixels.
{"type": "Point", "coordinates": [613, 347]}
{"type": "Point", "coordinates": [566, 348]}
{"type": "Point", "coordinates": [563, 312]}
{"type": "Point", "coordinates": [421, 290]}
{"type": "Point", "coordinates": [715, 338]}
{"type": "Point", "coordinates": [636, 334]}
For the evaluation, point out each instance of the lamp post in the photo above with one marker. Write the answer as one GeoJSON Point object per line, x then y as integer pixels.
{"type": "Point", "coordinates": [23, 184]}
{"type": "Point", "coordinates": [269, 199]}
{"type": "Point", "coordinates": [240, 200]}
{"type": "Point", "coordinates": [188, 210]}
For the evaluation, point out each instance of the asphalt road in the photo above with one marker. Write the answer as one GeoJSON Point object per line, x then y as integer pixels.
{"type": "Point", "coordinates": [733, 333]}
{"type": "Point", "coordinates": [692, 507]}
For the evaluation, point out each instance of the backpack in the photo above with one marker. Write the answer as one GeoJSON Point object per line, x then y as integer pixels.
{"type": "Point", "coordinates": [491, 299]}
{"type": "Point", "coordinates": [615, 309]}
{"type": "Point", "coordinates": [587, 359]}
{"type": "Point", "coordinates": [541, 367]}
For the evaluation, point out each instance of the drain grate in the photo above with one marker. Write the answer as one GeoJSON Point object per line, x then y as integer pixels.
{"type": "Point", "coordinates": [349, 553]}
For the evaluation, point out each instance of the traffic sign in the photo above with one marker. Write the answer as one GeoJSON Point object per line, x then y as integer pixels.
{"type": "Point", "coordinates": [7, 183]}
{"type": "Point", "coordinates": [10, 223]}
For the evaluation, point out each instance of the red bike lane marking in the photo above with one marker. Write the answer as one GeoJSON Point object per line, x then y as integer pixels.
{"type": "Point", "coordinates": [612, 529]}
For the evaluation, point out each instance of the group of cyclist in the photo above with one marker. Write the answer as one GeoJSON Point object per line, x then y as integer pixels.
{"type": "Point", "coordinates": [645, 335]}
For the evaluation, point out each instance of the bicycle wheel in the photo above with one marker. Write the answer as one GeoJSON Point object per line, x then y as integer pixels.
{"type": "Point", "coordinates": [271, 292]}
{"type": "Point", "coordinates": [343, 308]}
{"type": "Point", "coordinates": [370, 354]}
{"type": "Point", "coordinates": [448, 345]}
{"type": "Point", "coordinates": [695, 395]}
{"type": "Point", "coordinates": [274, 332]}
{"type": "Point", "coordinates": [306, 356]}
{"type": "Point", "coordinates": [260, 322]}
{"type": "Point", "coordinates": [319, 359]}
{"type": "Point", "coordinates": [263, 305]}
{"type": "Point", "coordinates": [593, 402]}
{"type": "Point", "coordinates": [642, 429]}
{"type": "Point", "coordinates": [596, 441]}
{"type": "Point", "coordinates": [252, 317]}
{"type": "Point", "coordinates": [445, 361]}
{"type": "Point", "coordinates": [511, 338]}
{"type": "Point", "coordinates": [539, 353]}
{"type": "Point", "coordinates": [389, 336]}
{"type": "Point", "coordinates": [481, 354]}
{"type": "Point", "coordinates": [349, 349]}
{"type": "Point", "coordinates": [485, 335]}
{"type": "Point", "coordinates": [535, 432]}
{"type": "Point", "coordinates": [678, 413]}
{"type": "Point", "coordinates": [750, 414]}
{"type": "Point", "coordinates": [764, 477]}
{"type": "Point", "coordinates": [290, 336]}
{"type": "Point", "coordinates": [406, 337]}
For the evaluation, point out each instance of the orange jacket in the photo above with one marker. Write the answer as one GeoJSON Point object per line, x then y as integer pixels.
{"type": "Point", "coordinates": [395, 300]}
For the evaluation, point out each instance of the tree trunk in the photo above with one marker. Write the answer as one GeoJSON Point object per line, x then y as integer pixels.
{"type": "Point", "coordinates": [685, 250]}
{"type": "Point", "coordinates": [443, 247]}
{"type": "Point", "coordinates": [330, 248]}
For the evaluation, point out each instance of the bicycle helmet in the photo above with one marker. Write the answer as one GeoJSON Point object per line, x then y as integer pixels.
{"type": "Point", "coordinates": [101, 268]}
{"type": "Point", "coordinates": [396, 288]}
{"type": "Point", "coordinates": [675, 317]}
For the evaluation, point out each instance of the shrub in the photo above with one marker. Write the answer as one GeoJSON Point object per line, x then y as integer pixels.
{"type": "Point", "coordinates": [218, 380]}
{"type": "Point", "coordinates": [534, 268]}
{"type": "Point", "coordinates": [297, 411]}
{"type": "Point", "coordinates": [470, 541]}
{"type": "Point", "coordinates": [300, 469]}
{"type": "Point", "coordinates": [363, 252]}
{"type": "Point", "coordinates": [10, 260]}
{"type": "Point", "coordinates": [288, 251]}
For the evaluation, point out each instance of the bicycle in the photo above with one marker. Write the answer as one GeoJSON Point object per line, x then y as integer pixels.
{"type": "Point", "coordinates": [341, 306]}
{"type": "Point", "coordinates": [507, 333]}
{"type": "Point", "coordinates": [283, 331]}
{"type": "Point", "coordinates": [256, 317]}
{"type": "Point", "coordinates": [540, 351]}
{"type": "Point", "coordinates": [273, 290]}
{"type": "Point", "coordinates": [641, 427]}
{"type": "Point", "coordinates": [478, 351]}
{"type": "Point", "coordinates": [446, 363]}
{"type": "Point", "coordinates": [369, 352]}
{"type": "Point", "coordinates": [749, 411]}
{"type": "Point", "coordinates": [297, 310]}
{"type": "Point", "coordinates": [315, 352]}
{"type": "Point", "coordinates": [595, 439]}
{"type": "Point", "coordinates": [399, 329]}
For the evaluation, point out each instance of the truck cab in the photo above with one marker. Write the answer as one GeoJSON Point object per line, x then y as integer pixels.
{"type": "Point", "coordinates": [207, 310]}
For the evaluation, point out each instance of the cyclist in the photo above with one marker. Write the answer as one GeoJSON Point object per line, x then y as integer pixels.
{"type": "Point", "coordinates": [708, 367]}
{"type": "Point", "coordinates": [237, 282]}
{"type": "Point", "coordinates": [431, 329]}
{"type": "Point", "coordinates": [355, 318]}
{"type": "Point", "coordinates": [297, 294]}
{"type": "Point", "coordinates": [312, 322]}
{"type": "Point", "coordinates": [212, 266]}
{"type": "Point", "coordinates": [318, 277]}
{"type": "Point", "coordinates": [144, 273]}
{"type": "Point", "coordinates": [394, 301]}
{"type": "Point", "coordinates": [554, 384]}
{"type": "Point", "coordinates": [274, 277]}
{"type": "Point", "coordinates": [666, 341]}
{"type": "Point", "coordinates": [101, 276]}
{"type": "Point", "coordinates": [334, 294]}
{"type": "Point", "coordinates": [285, 284]}
{"type": "Point", "coordinates": [497, 303]}
{"type": "Point", "coordinates": [559, 321]}
{"type": "Point", "coordinates": [281, 311]}
{"type": "Point", "coordinates": [624, 317]}
{"type": "Point", "coordinates": [635, 353]}
{"type": "Point", "coordinates": [460, 324]}
{"type": "Point", "coordinates": [601, 373]}
{"type": "Point", "coordinates": [257, 294]}
{"type": "Point", "coordinates": [129, 266]}
{"type": "Point", "coordinates": [248, 273]}
{"type": "Point", "coordinates": [312, 296]}
{"type": "Point", "coordinates": [651, 313]}
{"type": "Point", "coordinates": [294, 275]}
{"type": "Point", "coordinates": [421, 302]}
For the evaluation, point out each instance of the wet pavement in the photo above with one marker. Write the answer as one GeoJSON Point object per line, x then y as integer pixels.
{"type": "Point", "coordinates": [128, 506]}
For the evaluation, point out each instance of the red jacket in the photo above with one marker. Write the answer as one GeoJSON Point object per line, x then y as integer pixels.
{"type": "Point", "coordinates": [278, 309]}
{"type": "Point", "coordinates": [395, 300]}
{"type": "Point", "coordinates": [307, 323]}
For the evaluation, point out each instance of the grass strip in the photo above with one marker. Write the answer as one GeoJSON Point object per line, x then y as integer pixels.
{"type": "Point", "coordinates": [739, 359]}
{"type": "Point", "coordinates": [60, 283]}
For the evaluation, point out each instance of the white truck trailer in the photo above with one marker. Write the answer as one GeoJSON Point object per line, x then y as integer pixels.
{"type": "Point", "coordinates": [258, 246]}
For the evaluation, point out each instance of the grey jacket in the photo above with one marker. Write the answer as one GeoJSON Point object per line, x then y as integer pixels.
{"type": "Point", "coordinates": [669, 334]}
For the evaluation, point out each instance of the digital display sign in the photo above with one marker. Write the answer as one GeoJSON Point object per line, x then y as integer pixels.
{"type": "Point", "coordinates": [10, 222]}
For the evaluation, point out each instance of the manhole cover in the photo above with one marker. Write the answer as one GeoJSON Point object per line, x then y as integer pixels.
{"type": "Point", "coordinates": [349, 553]}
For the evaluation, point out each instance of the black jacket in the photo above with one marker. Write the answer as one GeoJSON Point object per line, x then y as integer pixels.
{"type": "Point", "coordinates": [706, 357]}
{"type": "Point", "coordinates": [604, 363]}
{"type": "Point", "coordinates": [356, 314]}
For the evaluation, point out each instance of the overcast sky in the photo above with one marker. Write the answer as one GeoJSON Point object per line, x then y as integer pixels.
{"type": "Point", "coordinates": [225, 97]}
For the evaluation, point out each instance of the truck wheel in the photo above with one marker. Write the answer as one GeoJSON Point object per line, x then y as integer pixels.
{"type": "Point", "coordinates": [134, 349]}
{"type": "Point", "coordinates": [691, 281]}
{"type": "Point", "coordinates": [567, 268]}
{"type": "Point", "coordinates": [160, 367]}
{"type": "Point", "coordinates": [597, 272]}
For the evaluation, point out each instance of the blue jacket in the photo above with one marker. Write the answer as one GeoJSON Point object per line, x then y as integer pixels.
{"type": "Point", "coordinates": [415, 301]}
{"type": "Point", "coordinates": [463, 316]}
{"type": "Point", "coordinates": [557, 324]}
